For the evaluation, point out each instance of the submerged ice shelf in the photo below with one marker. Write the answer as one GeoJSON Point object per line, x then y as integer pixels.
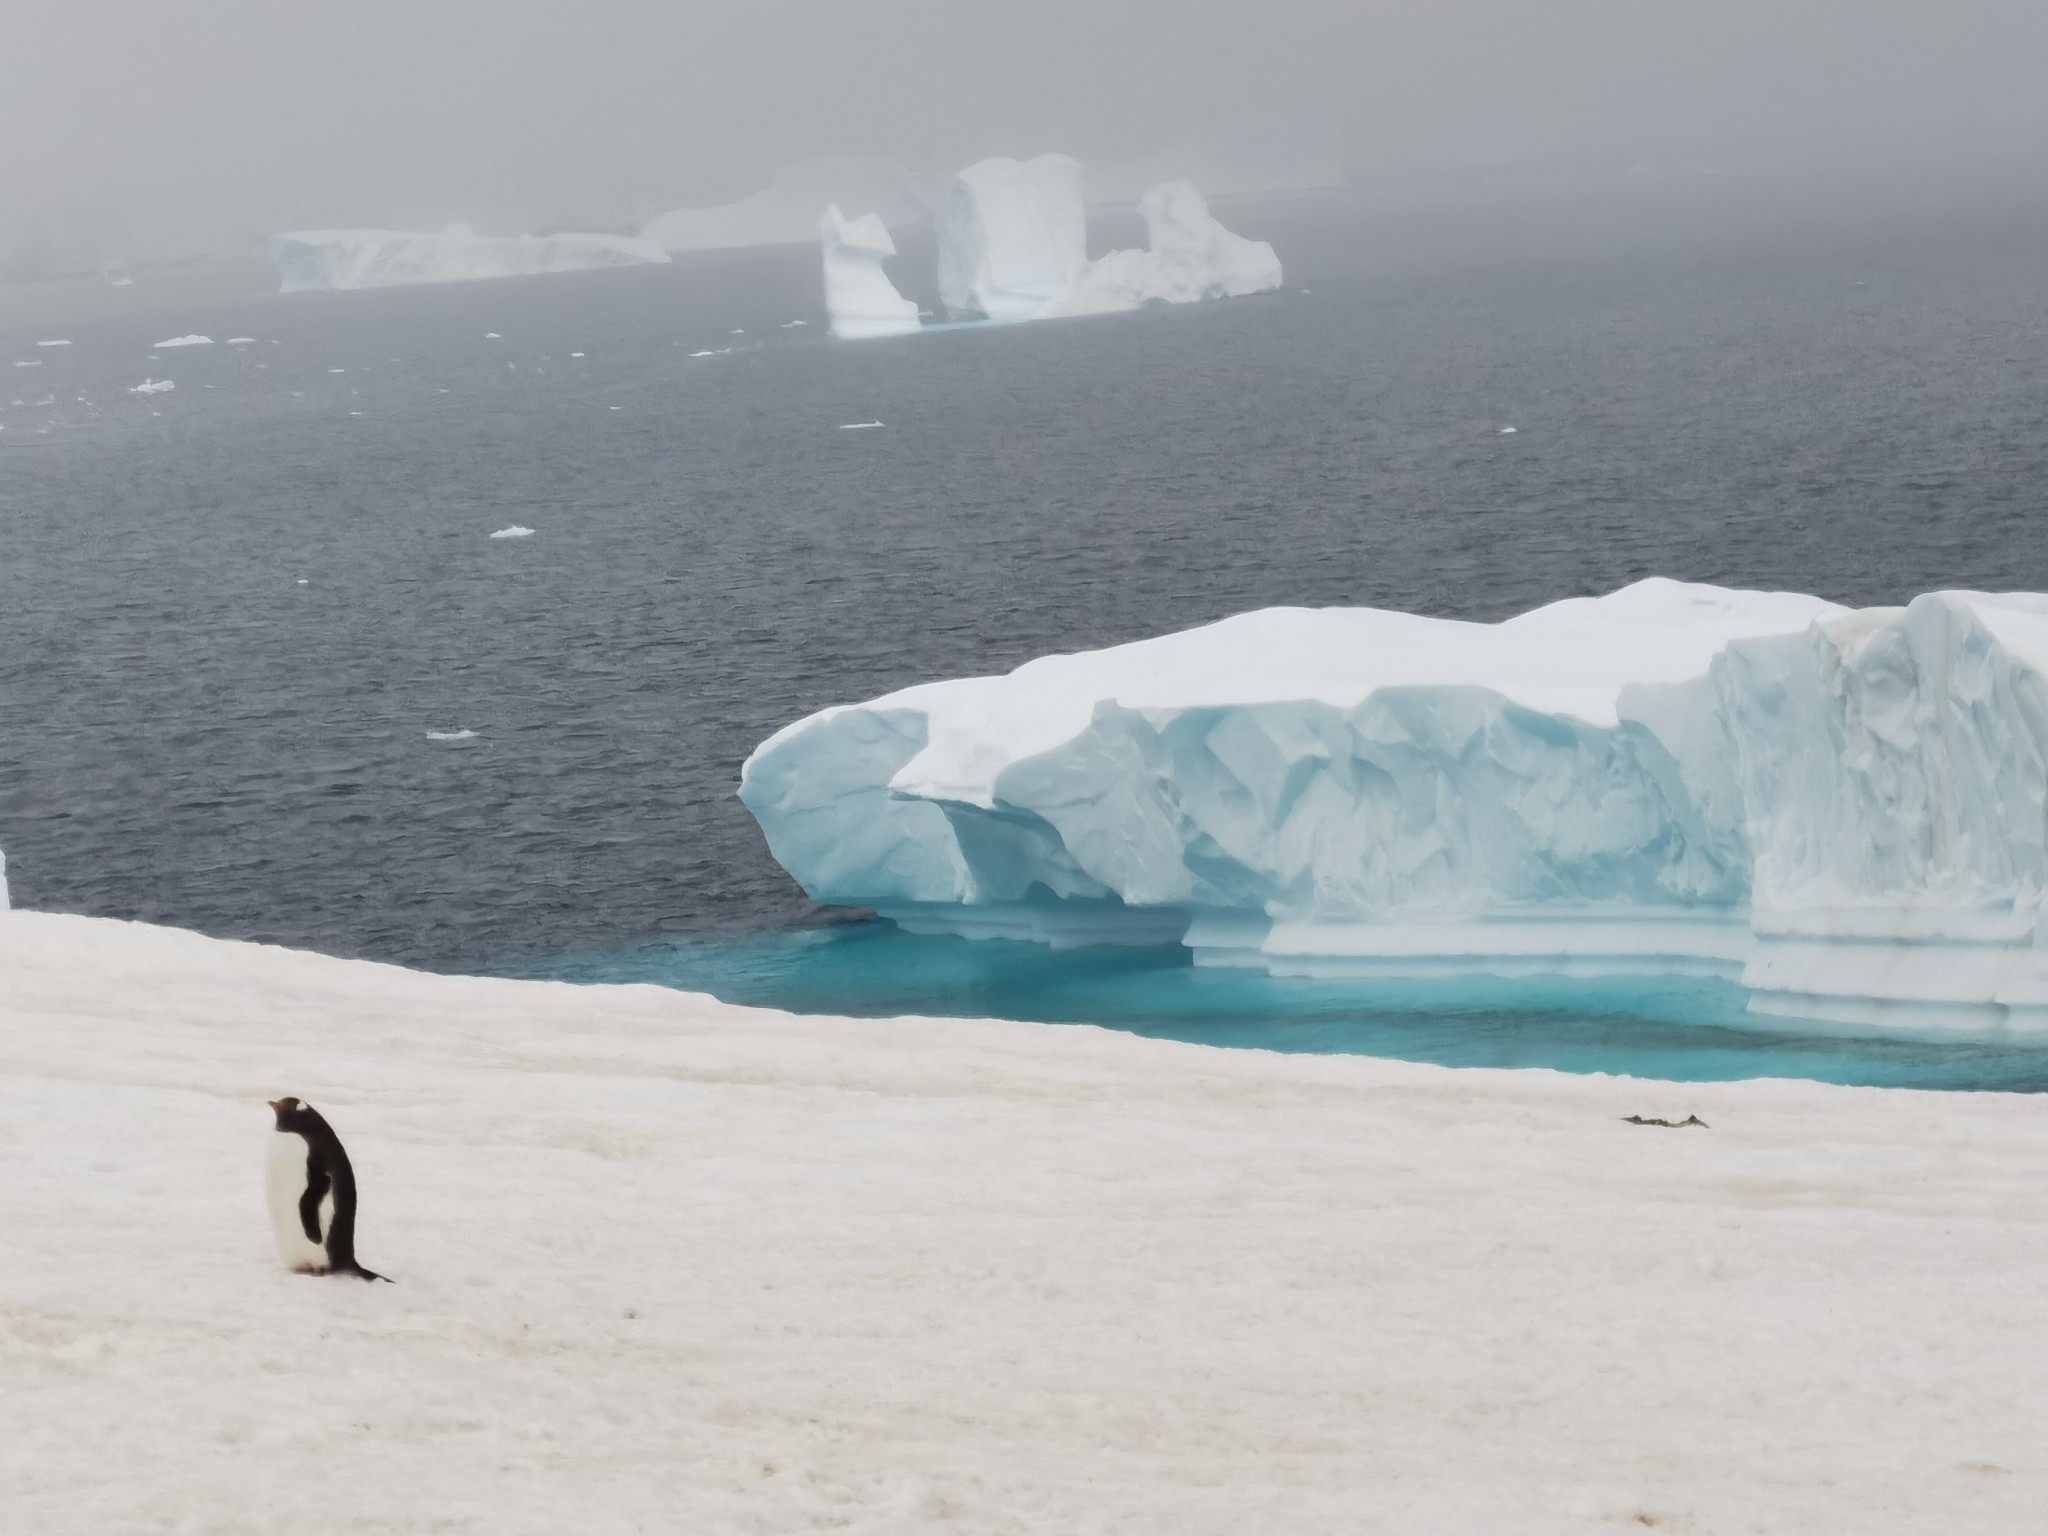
{"type": "Point", "coordinates": [1844, 810]}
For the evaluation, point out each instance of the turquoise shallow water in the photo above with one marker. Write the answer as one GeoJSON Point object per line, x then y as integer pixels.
{"type": "Point", "coordinates": [1693, 1031]}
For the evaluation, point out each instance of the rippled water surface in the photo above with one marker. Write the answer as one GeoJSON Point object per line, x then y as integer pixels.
{"type": "Point", "coordinates": [263, 672]}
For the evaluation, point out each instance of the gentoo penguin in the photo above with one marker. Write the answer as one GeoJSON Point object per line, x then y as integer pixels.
{"type": "Point", "coordinates": [312, 1194]}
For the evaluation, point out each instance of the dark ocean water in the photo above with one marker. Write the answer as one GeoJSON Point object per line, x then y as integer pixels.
{"type": "Point", "coordinates": [231, 614]}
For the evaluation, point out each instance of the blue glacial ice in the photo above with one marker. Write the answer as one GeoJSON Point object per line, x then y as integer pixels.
{"type": "Point", "coordinates": [1844, 810]}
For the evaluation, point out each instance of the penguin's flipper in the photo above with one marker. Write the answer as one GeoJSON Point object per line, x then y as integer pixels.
{"type": "Point", "coordinates": [309, 1206]}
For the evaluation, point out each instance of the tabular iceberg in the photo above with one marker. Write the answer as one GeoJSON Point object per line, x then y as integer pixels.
{"type": "Point", "coordinates": [785, 212]}
{"type": "Point", "coordinates": [1012, 235]}
{"type": "Point", "coordinates": [1188, 256]}
{"type": "Point", "coordinates": [1844, 810]}
{"type": "Point", "coordinates": [310, 259]}
{"type": "Point", "coordinates": [858, 294]}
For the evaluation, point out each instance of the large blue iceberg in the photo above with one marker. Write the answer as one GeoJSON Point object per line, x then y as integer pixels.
{"type": "Point", "coordinates": [1844, 810]}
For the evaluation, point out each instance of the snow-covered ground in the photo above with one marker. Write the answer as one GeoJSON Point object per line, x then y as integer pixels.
{"type": "Point", "coordinates": [667, 1265]}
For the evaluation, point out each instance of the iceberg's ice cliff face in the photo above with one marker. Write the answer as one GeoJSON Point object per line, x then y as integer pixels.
{"type": "Point", "coordinates": [1012, 235]}
{"type": "Point", "coordinates": [387, 258]}
{"type": "Point", "coordinates": [1845, 810]}
{"type": "Point", "coordinates": [1188, 256]}
{"type": "Point", "coordinates": [858, 294]}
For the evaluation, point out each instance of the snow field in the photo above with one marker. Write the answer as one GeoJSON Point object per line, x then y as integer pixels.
{"type": "Point", "coordinates": [669, 1265]}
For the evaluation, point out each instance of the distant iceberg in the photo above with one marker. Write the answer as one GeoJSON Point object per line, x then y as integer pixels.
{"type": "Point", "coordinates": [785, 212]}
{"type": "Point", "coordinates": [1843, 811]}
{"type": "Point", "coordinates": [313, 259]}
{"type": "Point", "coordinates": [1189, 256]}
{"type": "Point", "coordinates": [1013, 234]}
{"type": "Point", "coordinates": [858, 294]}
{"type": "Point", "coordinates": [184, 341]}
{"type": "Point", "coordinates": [1013, 245]}
{"type": "Point", "coordinates": [153, 387]}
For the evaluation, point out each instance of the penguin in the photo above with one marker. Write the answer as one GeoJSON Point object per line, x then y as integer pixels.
{"type": "Point", "coordinates": [312, 1194]}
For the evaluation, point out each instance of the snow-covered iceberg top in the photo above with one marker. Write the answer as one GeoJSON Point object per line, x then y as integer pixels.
{"type": "Point", "coordinates": [1188, 256]}
{"type": "Point", "coordinates": [858, 294]}
{"type": "Point", "coordinates": [1847, 811]}
{"type": "Point", "coordinates": [310, 259]}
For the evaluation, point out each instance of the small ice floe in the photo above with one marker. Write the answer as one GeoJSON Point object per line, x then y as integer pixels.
{"type": "Point", "coordinates": [575, 354]}
{"type": "Point", "coordinates": [737, 331]}
{"type": "Point", "coordinates": [33, 362]}
{"type": "Point", "coordinates": [790, 325]}
{"type": "Point", "coordinates": [1509, 431]}
{"type": "Point", "coordinates": [355, 413]}
{"type": "Point", "coordinates": [615, 407]}
{"type": "Point", "coordinates": [461, 735]}
{"type": "Point", "coordinates": [492, 336]}
{"type": "Point", "coordinates": [241, 341]}
{"type": "Point", "coordinates": [337, 370]}
{"type": "Point", "coordinates": [712, 352]}
{"type": "Point", "coordinates": [121, 282]}
{"type": "Point", "coordinates": [153, 387]}
{"type": "Point", "coordinates": [59, 342]}
{"type": "Point", "coordinates": [194, 340]}
{"type": "Point", "coordinates": [302, 581]}
{"type": "Point", "coordinates": [514, 532]}
{"type": "Point", "coordinates": [857, 426]}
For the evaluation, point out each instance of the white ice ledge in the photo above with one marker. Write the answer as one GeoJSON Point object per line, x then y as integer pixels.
{"type": "Point", "coordinates": [311, 259]}
{"type": "Point", "coordinates": [1844, 810]}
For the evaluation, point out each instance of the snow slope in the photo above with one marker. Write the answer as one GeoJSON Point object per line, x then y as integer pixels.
{"type": "Point", "coordinates": [385, 258]}
{"type": "Point", "coordinates": [1188, 256]}
{"type": "Point", "coordinates": [1844, 810]}
{"type": "Point", "coordinates": [1012, 235]}
{"type": "Point", "coordinates": [858, 294]}
{"type": "Point", "coordinates": [666, 1265]}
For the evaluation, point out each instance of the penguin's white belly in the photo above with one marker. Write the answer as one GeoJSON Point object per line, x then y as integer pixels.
{"type": "Point", "coordinates": [287, 1186]}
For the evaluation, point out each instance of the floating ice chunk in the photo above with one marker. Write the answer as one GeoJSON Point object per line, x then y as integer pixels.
{"type": "Point", "coordinates": [153, 387]}
{"type": "Point", "coordinates": [790, 325]}
{"type": "Point", "coordinates": [302, 581]}
{"type": "Point", "coordinates": [1189, 256]}
{"type": "Point", "coordinates": [712, 352]}
{"type": "Point", "coordinates": [337, 370]}
{"type": "Point", "coordinates": [492, 336]}
{"type": "Point", "coordinates": [32, 362]}
{"type": "Point", "coordinates": [1509, 431]}
{"type": "Point", "coordinates": [857, 426]}
{"type": "Point", "coordinates": [737, 331]}
{"type": "Point", "coordinates": [859, 297]}
{"type": "Point", "coordinates": [575, 354]}
{"type": "Point", "coordinates": [241, 341]}
{"type": "Point", "coordinates": [57, 342]}
{"type": "Point", "coordinates": [1012, 236]}
{"type": "Point", "coordinates": [461, 735]}
{"type": "Point", "coordinates": [513, 532]}
{"type": "Point", "coordinates": [1839, 809]}
{"type": "Point", "coordinates": [383, 258]}
{"type": "Point", "coordinates": [185, 341]}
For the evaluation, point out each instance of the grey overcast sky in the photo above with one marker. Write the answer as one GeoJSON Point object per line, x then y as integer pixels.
{"type": "Point", "coordinates": [270, 113]}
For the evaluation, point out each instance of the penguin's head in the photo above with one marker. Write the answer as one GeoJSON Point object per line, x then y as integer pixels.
{"type": "Point", "coordinates": [292, 1114]}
